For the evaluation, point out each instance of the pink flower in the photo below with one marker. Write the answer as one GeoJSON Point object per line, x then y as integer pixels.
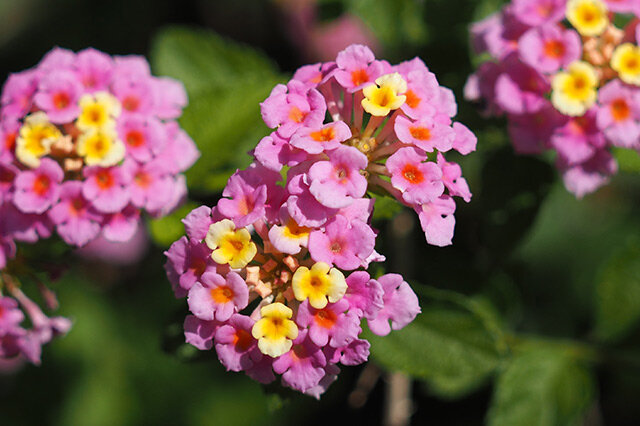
{"type": "Point", "coordinates": [520, 89]}
{"type": "Point", "coordinates": [453, 180]}
{"type": "Point", "coordinates": [538, 12]}
{"type": "Point", "coordinates": [135, 94]}
{"type": "Point", "coordinates": [180, 152]}
{"type": "Point", "coordinates": [331, 325]}
{"type": "Point", "coordinates": [37, 190]}
{"type": "Point", "coordinates": [10, 315]}
{"type": "Point", "coordinates": [426, 134]}
{"type": "Point", "coordinates": [8, 175]}
{"type": "Point", "coordinates": [247, 191]}
{"type": "Point", "coordinates": [200, 333]}
{"type": "Point", "coordinates": [355, 353]}
{"type": "Point", "coordinates": [363, 294]}
{"type": "Point", "coordinates": [76, 220]}
{"type": "Point", "coordinates": [301, 367]}
{"type": "Point", "coordinates": [400, 305]}
{"type": "Point", "coordinates": [584, 178]}
{"type": "Point", "coordinates": [301, 204]}
{"type": "Point", "coordinates": [324, 138]}
{"type": "Point", "coordinates": [357, 67]}
{"type": "Point", "coordinates": [94, 69]}
{"type": "Point", "coordinates": [17, 93]}
{"type": "Point", "coordinates": [186, 262]}
{"type": "Point", "coordinates": [549, 48]}
{"type": "Point", "coordinates": [9, 128]}
{"type": "Point", "coordinates": [143, 136]}
{"type": "Point", "coordinates": [152, 186]}
{"type": "Point", "coordinates": [275, 152]}
{"type": "Point", "coordinates": [235, 346]}
{"type": "Point", "coordinates": [619, 114]}
{"type": "Point", "coordinates": [197, 223]}
{"type": "Point", "coordinates": [293, 106]}
{"type": "Point", "coordinates": [106, 188]}
{"type": "Point", "coordinates": [58, 94]}
{"type": "Point", "coordinates": [578, 139]}
{"type": "Point", "coordinates": [169, 97]}
{"type": "Point", "coordinates": [623, 6]}
{"type": "Point", "coordinates": [437, 221]}
{"type": "Point", "coordinates": [464, 141]}
{"type": "Point", "coordinates": [122, 225]}
{"type": "Point", "coordinates": [419, 182]}
{"type": "Point", "coordinates": [530, 133]}
{"type": "Point", "coordinates": [346, 245]}
{"type": "Point", "coordinates": [335, 183]}
{"type": "Point", "coordinates": [215, 297]}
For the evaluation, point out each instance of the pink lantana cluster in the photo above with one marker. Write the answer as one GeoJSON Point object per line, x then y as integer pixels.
{"type": "Point", "coordinates": [567, 80]}
{"type": "Point", "coordinates": [360, 124]}
{"type": "Point", "coordinates": [275, 274]}
{"type": "Point", "coordinates": [17, 342]}
{"type": "Point", "coordinates": [88, 142]}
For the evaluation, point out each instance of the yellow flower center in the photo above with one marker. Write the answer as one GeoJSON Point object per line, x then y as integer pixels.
{"type": "Point", "coordinates": [574, 90]}
{"type": "Point", "coordinates": [589, 17]}
{"type": "Point", "coordinates": [318, 284]}
{"type": "Point", "coordinates": [230, 246]}
{"type": "Point", "coordinates": [275, 330]}
{"type": "Point", "coordinates": [626, 61]}
{"type": "Point", "coordinates": [35, 138]}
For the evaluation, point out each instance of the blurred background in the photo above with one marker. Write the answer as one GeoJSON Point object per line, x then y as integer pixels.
{"type": "Point", "coordinates": [531, 317]}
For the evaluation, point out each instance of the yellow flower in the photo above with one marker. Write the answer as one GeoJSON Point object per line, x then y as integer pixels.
{"type": "Point", "coordinates": [35, 138]}
{"type": "Point", "coordinates": [100, 147]}
{"type": "Point", "coordinates": [230, 245]}
{"type": "Point", "coordinates": [318, 284]}
{"type": "Point", "coordinates": [626, 61]}
{"type": "Point", "coordinates": [97, 111]}
{"type": "Point", "coordinates": [275, 330]}
{"type": "Point", "coordinates": [589, 17]}
{"type": "Point", "coordinates": [574, 91]}
{"type": "Point", "coordinates": [386, 95]}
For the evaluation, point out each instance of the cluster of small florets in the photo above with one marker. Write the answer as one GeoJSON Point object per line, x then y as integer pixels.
{"type": "Point", "coordinates": [275, 274]}
{"type": "Point", "coordinates": [566, 78]}
{"type": "Point", "coordinates": [88, 142]}
{"type": "Point", "coordinates": [17, 342]}
{"type": "Point", "coordinates": [360, 124]}
{"type": "Point", "coordinates": [271, 295]}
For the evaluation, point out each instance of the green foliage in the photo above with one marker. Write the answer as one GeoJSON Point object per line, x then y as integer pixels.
{"type": "Point", "coordinates": [628, 160]}
{"type": "Point", "coordinates": [455, 344]}
{"type": "Point", "coordinates": [225, 82]}
{"type": "Point", "coordinates": [167, 229]}
{"type": "Point", "coordinates": [539, 387]}
{"type": "Point", "coordinates": [394, 22]}
{"type": "Point", "coordinates": [618, 294]}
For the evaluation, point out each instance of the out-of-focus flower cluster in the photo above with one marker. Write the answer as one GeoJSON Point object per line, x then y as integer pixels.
{"type": "Point", "coordinates": [274, 274]}
{"type": "Point", "coordinates": [88, 142]}
{"type": "Point", "coordinates": [19, 341]}
{"type": "Point", "coordinates": [567, 78]}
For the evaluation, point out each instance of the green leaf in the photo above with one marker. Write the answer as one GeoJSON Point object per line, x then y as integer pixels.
{"type": "Point", "coordinates": [513, 189]}
{"type": "Point", "coordinates": [618, 294]}
{"type": "Point", "coordinates": [226, 82]}
{"type": "Point", "coordinates": [394, 22]}
{"type": "Point", "coordinates": [386, 208]}
{"type": "Point", "coordinates": [167, 229]}
{"type": "Point", "coordinates": [450, 346]}
{"type": "Point", "coordinates": [628, 159]}
{"type": "Point", "coordinates": [539, 387]}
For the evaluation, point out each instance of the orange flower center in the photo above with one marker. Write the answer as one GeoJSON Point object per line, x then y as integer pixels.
{"type": "Point", "coordinates": [325, 318]}
{"type": "Point", "coordinates": [323, 135]}
{"type": "Point", "coordinates": [61, 100]}
{"type": "Point", "coordinates": [143, 179]}
{"type": "Point", "coordinates": [359, 77]}
{"type": "Point", "coordinates": [620, 110]}
{"type": "Point", "coordinates": [412, 174]}
{"type": "Point", "coordinates": [104, 179]}
{"type": "Point", "coordinates": [131, 103]}
{"type": "Point", "coordinates": [242, 340]}
{"type": "Point", "coordinates": [135, 138]}
{"type": "Point", "coordinates": [10, 141]}
{"type": "Point", "coordinates": [412, 99]}
{"type": "Point", "coordinates": [554, 49]}
{"type": "Point", "coordinates": [222, 295]}
{"type": "Point", "coordinates": [198, 266]}
{"type": "Point", "coordinates": [296, 115]}
{"type": "Point", "coordinates": [420, 133]}
{"type": "Point", "coordinates": [41, 185]}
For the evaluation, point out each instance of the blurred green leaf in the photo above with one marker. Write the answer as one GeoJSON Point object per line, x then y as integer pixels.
{"type": "Point", "coordinates": [385, 208]}
{"type": "Point", "coordinates": [167, 229]}
{"type": "Point", "coordinates": [394, 22]}
{"type": "Point", "coordinates": [513, 188]}
{"type": "Point", "coordinates": [225, 81]}
{"type": "Point", "coordinates": [628, 159]}
{"type": "Point", "coordinates": [451, 345]}
{"type": "Point", "coordinates": [618, 294]}
{"type": "Point", "coordinates": [539, 387]}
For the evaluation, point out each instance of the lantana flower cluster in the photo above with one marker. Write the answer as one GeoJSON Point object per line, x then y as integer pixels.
{"type": "Point", "coordinates": [360, 124]}
{"type": "Point", "coordinates": [87, 143]}
{"type": "Point", "coordinates": [567, 79]}
{"type": "Point", "coordinates": [275, 274]}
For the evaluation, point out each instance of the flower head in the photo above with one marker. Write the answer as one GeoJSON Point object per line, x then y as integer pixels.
{"type": "Point", "coordinates": [275, 330]}
{"type": "Point", "coordinates": [385, 95]}
{"type": "Point", "coordinates": [35, 139]}
{"type": "Point", "coordinates": [230, 246]}
{"type": "Point", "coordinates": [589, 17]}
{"type": "Point", "coordinates": [574, 90]}
{"type": "Point", "coordinates": [626, 61]}
{"type": "Point", "coordinates": [318, 284]}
